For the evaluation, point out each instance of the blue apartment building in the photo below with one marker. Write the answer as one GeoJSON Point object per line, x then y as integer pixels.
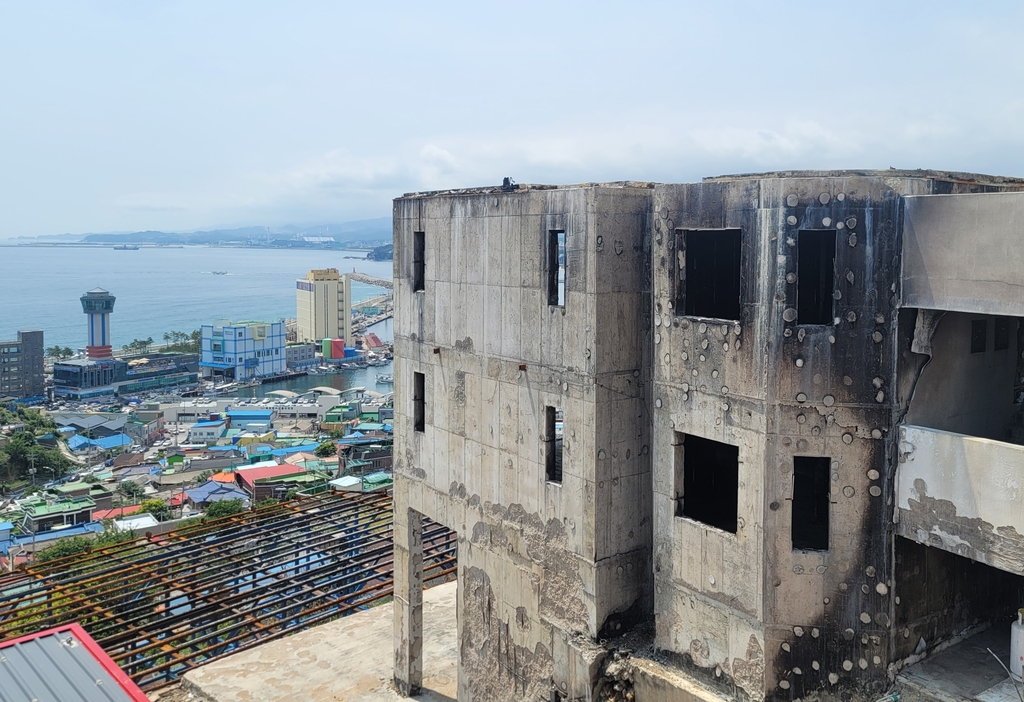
{"type": "Point", "coordinates": [243, 350]}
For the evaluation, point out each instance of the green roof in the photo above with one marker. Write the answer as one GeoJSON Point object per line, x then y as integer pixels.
{"type": "Point", "coordinates": [40, 508]}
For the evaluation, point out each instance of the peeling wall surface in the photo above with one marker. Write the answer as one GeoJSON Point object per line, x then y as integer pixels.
{"type": "Point", "coordinates": [962, 494]}
{"type": "Point", "coordinates": [962, 253]}
{"type": "Point", "coordinates": [545, 567]}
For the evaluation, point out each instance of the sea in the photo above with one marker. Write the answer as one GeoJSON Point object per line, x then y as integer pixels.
{"type": "Point", "coordinates": [172, 289]}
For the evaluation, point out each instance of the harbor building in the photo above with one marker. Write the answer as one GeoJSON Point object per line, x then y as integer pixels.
{"type": "Point", "coordinates": [776, 416]}
{"type": "Point", "coordinates": [243, 350]}
{"type": "Point", "coordinates": [300, 356]}
{"type": "Point", "coordinates": [323, 306]}
{"type": "Point", "coordinates": [21, 366]}
{"type": "Point", "coordinates": [84, 378]}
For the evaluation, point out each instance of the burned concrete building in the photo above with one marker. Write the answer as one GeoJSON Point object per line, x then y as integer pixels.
{"type": "Point", "coordinates": [777, 415]}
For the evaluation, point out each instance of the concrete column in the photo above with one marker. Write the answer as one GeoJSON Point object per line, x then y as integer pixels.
{"type": "Point", "coordinates": [408, 600]}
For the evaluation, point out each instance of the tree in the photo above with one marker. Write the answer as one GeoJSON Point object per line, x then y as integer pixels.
{"type": "Point", "coordinates": [130, 489]}
{"type": "Point", "coordinates": [225, 508]}
{"type": "Point", "coordinates": [79, 544]}
{"type": "Point", "coordinates": [59, 353]}
{"type": "Point", "coordinates": [158, 508]}
{"type": "Point", "coordinates": [327, 448]}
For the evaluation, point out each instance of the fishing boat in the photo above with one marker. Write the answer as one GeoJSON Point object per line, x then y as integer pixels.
{"type": "Point", "coordinates": [385, 379]}
{"type": "Point", "coordinates": [126, 247]}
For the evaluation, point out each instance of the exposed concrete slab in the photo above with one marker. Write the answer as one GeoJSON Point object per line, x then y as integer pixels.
{"type": "Point", "coordinates": [964, 671]}
{"type": "Point", "coordinates": [350, 659]}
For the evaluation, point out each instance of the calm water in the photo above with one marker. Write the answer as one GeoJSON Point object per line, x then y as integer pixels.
{"type": "Point", "coordinates": [363, 377]}
{"type": "Point", "coordinates": [158, 290]}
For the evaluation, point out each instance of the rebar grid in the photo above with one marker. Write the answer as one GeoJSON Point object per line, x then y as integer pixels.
{"type": "Point", "coordinates": [163, 604]}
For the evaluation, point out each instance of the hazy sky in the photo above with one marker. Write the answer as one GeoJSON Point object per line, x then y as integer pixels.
{"type": "Point", "coordinates": [182, 115]}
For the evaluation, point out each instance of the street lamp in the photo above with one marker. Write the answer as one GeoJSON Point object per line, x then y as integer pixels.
{"type": "Point", "coordinates": [32, 472]}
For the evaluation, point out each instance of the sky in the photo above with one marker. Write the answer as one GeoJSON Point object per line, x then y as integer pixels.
{"type": "Point", "coordinates": [124, 116]}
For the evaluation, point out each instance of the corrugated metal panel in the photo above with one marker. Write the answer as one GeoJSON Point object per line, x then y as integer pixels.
{"type": "Point", "coordinates": [56, 667]}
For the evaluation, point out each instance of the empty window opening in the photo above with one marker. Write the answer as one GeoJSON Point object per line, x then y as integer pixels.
{"type": "Point", "coordinates": [707, 481]}
{"type": "Point", "coordinates": [419, 257]}
{"type": "Point", "coordinates": [711, 285]}
{"type": "Point", "coordinates": [1002, 334]}
{"type": "Point", "coordinates": [419, 402]}
{"type": "Point", "coordinates": [816, 263]}
{"type": "Point", "coordinates": [556, 268]}
{"type": "Point", "coordinates": [810, 503]}
{"type": "Point", "coordinates": [979, 336]}
{"type": "Point", "coordinates": [553, 444]}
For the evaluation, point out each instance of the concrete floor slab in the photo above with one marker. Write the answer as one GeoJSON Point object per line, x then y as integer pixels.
{"type": "Point", "coordinates": [348, 660]}
{"type": "Point", "coordinates": [965, 671]}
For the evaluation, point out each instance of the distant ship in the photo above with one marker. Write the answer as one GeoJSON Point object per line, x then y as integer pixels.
{"type": "Point", "coordinates": [127, 247]}
{"type": "Point", "coordinates": [220, 272]}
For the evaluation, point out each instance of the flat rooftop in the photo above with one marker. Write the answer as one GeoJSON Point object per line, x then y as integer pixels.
{"type": "Point", "coordinates": [348, 659]}
{"type": "Point", "coordinates": [955, 176]}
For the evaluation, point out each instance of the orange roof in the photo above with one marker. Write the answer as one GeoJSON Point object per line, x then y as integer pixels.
{"type": "Point", "coordinates": [223, 477]}
{"type": "Point", "coordinates": [250, 476]}
{"type": "Point", "coordinates": [115, 513]}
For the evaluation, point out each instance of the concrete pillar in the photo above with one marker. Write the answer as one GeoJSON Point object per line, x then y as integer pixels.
{"type": "Point", "coordinates": [408, 601]}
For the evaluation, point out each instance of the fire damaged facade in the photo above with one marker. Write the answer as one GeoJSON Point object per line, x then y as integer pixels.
{"type": "Point", "coordinates": [771, 422]}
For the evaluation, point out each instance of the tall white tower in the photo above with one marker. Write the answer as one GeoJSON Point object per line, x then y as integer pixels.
{"type": "Point", "coordinates": [98, 304]}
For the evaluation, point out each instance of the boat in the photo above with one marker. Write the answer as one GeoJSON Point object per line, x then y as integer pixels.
{"type": "Point", "coordinates": [126, 247]}
{"type": "Point", "coordinates": [220, 272]}
{"type": "Point", "coordinates": [385, 379]}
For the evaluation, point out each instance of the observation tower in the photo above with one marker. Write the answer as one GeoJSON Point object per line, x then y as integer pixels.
{"type": "Point", "coordinates": [98, 304]}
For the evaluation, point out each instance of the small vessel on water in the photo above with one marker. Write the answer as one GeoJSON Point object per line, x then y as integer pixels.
{"type": "Point", "coordinates": [220, 272]}
{"type": "Point", "coordinates": [126, 247]}
{"type": "Point", "coordinates": [385, 379]}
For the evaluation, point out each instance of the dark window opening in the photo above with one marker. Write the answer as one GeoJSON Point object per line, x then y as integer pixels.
{"type": "Point", "coordinates": [419, 402]}
{"type": "Point", "coordinates": [979, 336]}
{"type": "Point", "coordinates": [1002, 333]}
{"type": "Point", "coordinates": [556, 268]}
{"type": "Point", "coordinates": [816, 263]}
{"type": "Point", "coordinates": [553, 444]}
{"type": "Point", "coordinates": [707, 481]}
{"type": "Point", "coordinates": [419, 257]}
{"type": "Point", "coordinates": [711, 285]}
{"type": "Point", "coordinates": [810, 503]}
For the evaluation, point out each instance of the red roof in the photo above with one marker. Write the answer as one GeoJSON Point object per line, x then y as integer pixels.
{"type": "Point", "coordinates": [223, 477]}
{"type": "Point", "coordinates": [115, 513]}
{"type": "Point", "coordinates": [250, 476]}
{"type": "Point", "coordinates": [373, 341]}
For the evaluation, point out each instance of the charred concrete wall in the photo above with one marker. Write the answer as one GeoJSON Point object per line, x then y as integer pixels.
{"type": "Point", "coordinates": [747, 608]}
{"type": "Point", "coordinates": [545, 566]}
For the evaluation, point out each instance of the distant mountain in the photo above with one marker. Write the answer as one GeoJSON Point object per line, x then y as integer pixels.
{"type": "Point", "coordinates": [362, 231]}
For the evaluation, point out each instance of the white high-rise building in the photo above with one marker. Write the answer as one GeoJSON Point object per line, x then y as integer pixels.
{"type": "Point", "coordinates": [323, 306]}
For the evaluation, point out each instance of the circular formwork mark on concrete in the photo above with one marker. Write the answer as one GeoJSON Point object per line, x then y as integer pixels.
{"type": "Point", "coordinates": [853, 240]}
{"type": "Point", "coordinates": [849, 491]}
{"type": "Point", "coordinates": [875, 491]}
{"type": "Point", "coordinates": [826, 221]}
{"type": "Point", "coordinates": [792, 200]}
{"type": "Point", "coordinates": [877, 337]}
{"type": "Point", "coordinates": [789, 314]}
{"type": "Point", "coordinates": [791, 220]}
{"type": "Point", "coordinates": [880, 397]}
{"type": "Point", "coordinates": [828, 400]}
{"type": "Point", "coordinates": [851, 222]}
{"type": "Point", "coordinates": [800, 397]}
{"type": "Point", "coordinates": [824, 198]}
{"type": "Point", "coordinates": [847, 438]}
{"type": "Point", "coordinates": [791, 278]}
{"type": "Point", "coordinates": [876, 433]}
{"type": "Point", "coordinates": [873, 474]}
